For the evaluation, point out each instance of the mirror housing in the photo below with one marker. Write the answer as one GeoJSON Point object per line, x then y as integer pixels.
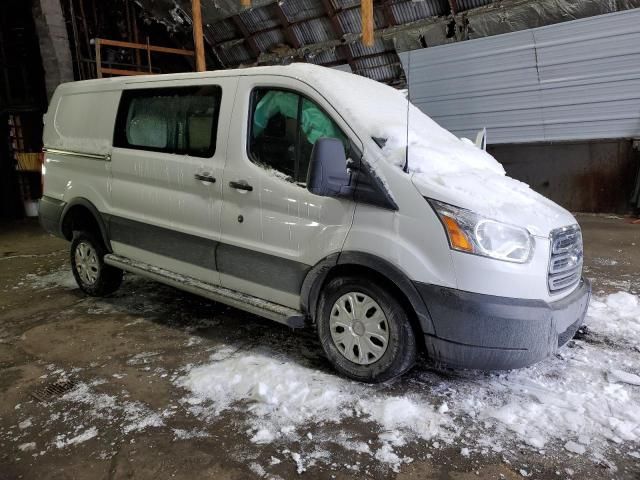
{"type": "Point", "coordinates": [328, 175]}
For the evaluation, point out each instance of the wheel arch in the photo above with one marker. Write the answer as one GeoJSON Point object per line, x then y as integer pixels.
{"type": "Point", "coordinates": [80, 213]}
{"type": "Point", "coordinates": [365, 264]}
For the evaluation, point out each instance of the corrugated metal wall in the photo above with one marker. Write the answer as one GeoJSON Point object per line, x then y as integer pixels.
{"type": "Point", "coordinates": [577, 80]}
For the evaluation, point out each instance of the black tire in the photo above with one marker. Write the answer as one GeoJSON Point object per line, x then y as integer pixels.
{"type": "Point", "coordinates": [401, 350]}
{"type": "Point", "coordinates": [107, 278]}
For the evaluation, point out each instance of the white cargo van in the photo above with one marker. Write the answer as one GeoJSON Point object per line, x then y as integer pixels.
{"type": "Point", "coordinates": [289, 192]}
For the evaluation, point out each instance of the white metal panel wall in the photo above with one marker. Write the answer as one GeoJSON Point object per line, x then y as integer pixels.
{"type": "Point", "coordinates": [571, 81]}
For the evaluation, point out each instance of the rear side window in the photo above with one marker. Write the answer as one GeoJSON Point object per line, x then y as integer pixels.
{"type": "Point", "coordinates": [180, 120]}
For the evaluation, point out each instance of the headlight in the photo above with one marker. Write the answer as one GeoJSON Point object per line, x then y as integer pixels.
{"type": "Point", "coordinates": [472, 233]}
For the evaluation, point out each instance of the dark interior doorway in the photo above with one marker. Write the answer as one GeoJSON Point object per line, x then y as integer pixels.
{"type": "Point", "coordinates": [22, 104]}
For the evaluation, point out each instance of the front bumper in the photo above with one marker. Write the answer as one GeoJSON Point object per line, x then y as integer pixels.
{"type": "Point", "coordinates": [486, 332]}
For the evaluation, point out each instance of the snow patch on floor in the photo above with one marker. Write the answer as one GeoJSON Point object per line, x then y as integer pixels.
{"type": "Point", "coordinates": [63, 277]}
{"type": "Point", "coordinates": [27, 447]}
{"type": "Point", "coordinates": [182, 434]}
{"type": "Point", "coordinates": [84, 405]}
{"type": "Point", "coordinates": [62, 441]}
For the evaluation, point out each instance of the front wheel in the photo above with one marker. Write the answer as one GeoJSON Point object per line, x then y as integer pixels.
{"type": "Point", "coordinates": [364, 330]}
{"type": "Point", "coordinates": [92, 275]}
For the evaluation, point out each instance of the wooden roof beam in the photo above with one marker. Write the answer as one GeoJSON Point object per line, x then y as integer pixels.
{"type": "Point", "coordinates": [289, 34]}
{"type": "Point", "coordinates": [389, 16]}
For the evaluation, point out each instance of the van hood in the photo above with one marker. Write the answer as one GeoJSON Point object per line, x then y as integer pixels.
{"type": "Point", "coordinates": [497, 197]}
{"type": "Point", "coordinates": [457, 172]}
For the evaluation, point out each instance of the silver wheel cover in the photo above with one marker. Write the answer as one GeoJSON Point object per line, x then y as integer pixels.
{"type": "Point", "coordinates": [359, 328]}
{"type": "Point", "coordinates": [87, 263]}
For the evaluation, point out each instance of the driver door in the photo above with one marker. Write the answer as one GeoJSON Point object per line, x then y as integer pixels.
{"type": "Point", "coordinates": [273, 229]}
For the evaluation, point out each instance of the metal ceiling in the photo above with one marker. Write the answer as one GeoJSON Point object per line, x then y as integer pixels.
{"type": "Point", "coordinates": [241, 37]}
{"type": "Point", "coordinates": [327, 32]}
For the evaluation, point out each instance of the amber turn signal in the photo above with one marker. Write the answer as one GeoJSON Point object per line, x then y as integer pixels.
{"type": "Point", "coordinates": [458, 238]}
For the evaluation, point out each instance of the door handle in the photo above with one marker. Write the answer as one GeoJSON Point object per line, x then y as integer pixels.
{"type": "Point", "coordinates": [205, 178]}
{"type": "Point", "coordinates": [241, 185]}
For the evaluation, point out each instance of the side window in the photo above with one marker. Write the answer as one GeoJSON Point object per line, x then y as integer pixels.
{"type": "Point", "coordinates": [315, 124]}
{"type": "Point", "coordinates": [284, 128]}
{"type": "Point", "coordinates": [274, 129]}
{"type": "Point", "coordinates": [181, 120]}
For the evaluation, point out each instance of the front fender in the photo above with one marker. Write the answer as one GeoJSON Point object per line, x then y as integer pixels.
{"type": "Point", "coordinates": [312, 285]}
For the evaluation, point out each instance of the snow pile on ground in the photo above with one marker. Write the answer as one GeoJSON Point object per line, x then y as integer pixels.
{"type": "Point", "coordinates": [571, 400]}
{"type": "Point", "coordinates": [616, 315]}
{"type": "Point", "coordinates": [584, 401]}
{"type": "Point", "coordinates": [286, 401]}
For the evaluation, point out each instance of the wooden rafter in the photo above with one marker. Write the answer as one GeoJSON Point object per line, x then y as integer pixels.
{"type": "Point", "coordinates": [198, 37]}
{"type": "Point", "coordinates": [143, 46]}
{"type": "Point", "coordinates": [366, 11]}
{"type": "Point", "coordinates": [289, 34]}
{"type": "Point", "coordinates": [389, 16]}
{"type": "Point", "coordinates": [209, 37]}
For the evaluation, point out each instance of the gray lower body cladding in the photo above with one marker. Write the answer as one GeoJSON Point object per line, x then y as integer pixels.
{"type": "Point", "coordinates": [50, 213]}
{"type": "Point", "coordinates": [485, 332]}
{"type": "Point", "coordinates": [276, 272]}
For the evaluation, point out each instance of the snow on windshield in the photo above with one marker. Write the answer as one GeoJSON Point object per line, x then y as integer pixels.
{"type": "Point", "coordinates": [445, 164]}
{"type": "Point", "coordinates": [382, 112]}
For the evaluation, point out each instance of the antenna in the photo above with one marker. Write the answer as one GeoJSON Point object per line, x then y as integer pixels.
{"type": "Point", "coordinates": [406, 150]}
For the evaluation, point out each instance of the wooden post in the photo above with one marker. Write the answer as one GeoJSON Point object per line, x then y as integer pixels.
{"type": "Point", "coordinates": [366, 7]}
{"type": "Point", "coordinates": [149, 56]}
{"type": "Point", "coordinates": [245, 3]}
{"type": "Point", "coordinates": [198, 38]}
{"type": "Point", "coordinates": [98, 59]}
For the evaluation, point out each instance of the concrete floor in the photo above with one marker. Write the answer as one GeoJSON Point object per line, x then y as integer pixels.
{"type": "Point", "coordinates": [47, 327]}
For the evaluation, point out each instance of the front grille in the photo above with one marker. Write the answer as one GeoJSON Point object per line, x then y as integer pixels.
{"type": "Point", "coordinates": [565, 263]}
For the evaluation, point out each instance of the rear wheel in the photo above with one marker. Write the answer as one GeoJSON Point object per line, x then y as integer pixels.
{"type": "Point", "coordinates": [92, 275]}
{"type": "Point", "coordinates": [364, 330]}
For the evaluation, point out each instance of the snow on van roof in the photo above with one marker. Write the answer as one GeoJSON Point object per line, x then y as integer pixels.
{"type": "Point", "coordinates": [446, 167]}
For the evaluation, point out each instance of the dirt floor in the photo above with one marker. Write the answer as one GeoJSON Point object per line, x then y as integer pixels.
{"type": "Point", "coordinates": [127, 415]}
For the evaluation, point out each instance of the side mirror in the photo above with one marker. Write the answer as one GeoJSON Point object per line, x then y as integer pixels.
{"type": "Point", "coordinates": [327, 175]}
